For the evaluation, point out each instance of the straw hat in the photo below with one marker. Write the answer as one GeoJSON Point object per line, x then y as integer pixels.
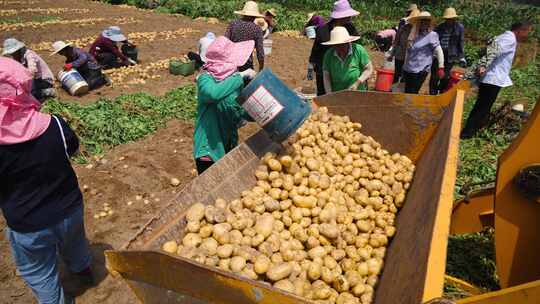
{"type": "Point", "coordinates": [340, 35]}
{"type": "Point", "coordinates": [261, 23]}
{"type": "Point", "coordinates": [251, 8]}
{"type": "Point", "coordinates": [12, 45]}
{"type": "Point", "coordinates": [450, 13]}
{"type": "Point", "coordinates": [59, 46]}
{"type": "Point", "coordinates": [413, 14]}
{"type": "Point", "coordinates": [343, 9]}
{"type": "Point", "coordinates": [271, 11]}
{"type": "Point", "coordinates": [114, 33]}
{"type": "Point", "coordinates": [309, 16]}
{"type": "Point", "coordinates": [421, 16]}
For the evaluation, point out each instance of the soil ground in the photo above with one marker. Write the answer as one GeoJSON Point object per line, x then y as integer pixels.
{"type": "Point", "coordinates": [133, 179]}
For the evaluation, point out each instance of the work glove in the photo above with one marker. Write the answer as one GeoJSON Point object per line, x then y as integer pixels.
{"type": "Point", "coordinates": [248, 74]}
{"type": "Point", "coordinates": [310, 71]}
{"type": "Point", "coordinates": [441, 73]}
{"type": "Point", "coordinates": [463, 62]}
{"type": "Point", "coordinates": [68, 66]}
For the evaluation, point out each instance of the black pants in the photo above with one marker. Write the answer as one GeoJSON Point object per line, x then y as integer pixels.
{"type": "Point", "coordinates": [94, 77]}
{"type": "Point", "coordinates": [414, 81]}
{"type": "Point", "coordinates": [196, 58]}
{"type": "Point", "coordinates": [247, 66]}
{"type": "Point", "coordinates": [398, 70]}
{"type": "Point", "coordinates": [383, 44]}
{"type": "Point", "coordinates": [320, 82]}
{"type": "Point", "coordinates": [202, 165]}
{"type": "Point", "coordinates": [438, 85]}
{"type": "Point", "coordinates": [38, 85]}
{"type": "Point", "coordinates": [108, 61]}
{"type": "Point", "coordinates": [479, 116]}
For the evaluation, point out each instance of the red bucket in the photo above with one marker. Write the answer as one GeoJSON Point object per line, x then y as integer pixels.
{"type": "Point", "coordinates": [385, 78]}
{"type": "Point", "coordinates": [455, 77]}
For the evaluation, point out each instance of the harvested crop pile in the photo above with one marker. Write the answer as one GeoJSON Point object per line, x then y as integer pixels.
{"type": "Point", "coordinates": [317, 223]}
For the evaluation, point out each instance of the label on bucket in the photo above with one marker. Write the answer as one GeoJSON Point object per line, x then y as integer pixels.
{"type": "Point", "coordinates": [262, 106]}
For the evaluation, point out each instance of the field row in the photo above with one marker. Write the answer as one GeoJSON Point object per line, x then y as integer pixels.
{"type": "Point", "coordinates": [46, 11]}
{"type": "Point", "coordinates": [79, 22]}
{"type": "Point", "coordinates": [135, 38]}
{"type": "Point", "coordinates": [138, 74]}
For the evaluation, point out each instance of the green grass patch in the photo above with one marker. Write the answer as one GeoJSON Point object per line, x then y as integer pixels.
{"type": "Point", "coordinates": [107, 123]}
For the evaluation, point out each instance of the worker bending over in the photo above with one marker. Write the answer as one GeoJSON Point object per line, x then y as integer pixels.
{"type": "Point", "coordinates": [219, 116]}
{"type": "Point", "coordinates": [83, 62]}
{"type": "Point", "coordinates": [492, 73]}
{"type": "Point", "coordinates": [39, 193]}
{"type": "Point", "coordinates": [43, 79]}
{"type": "Point", "coordinates": [105, 49]}
{"type": "Point", "coordinates": [346, 66]}
{"type": "Point", "coordinates": [245, 29]}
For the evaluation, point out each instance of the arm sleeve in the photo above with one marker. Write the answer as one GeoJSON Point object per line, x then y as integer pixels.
{"type": "Point", "coordinates": [493, 51]}
{"type": "Point", "coordinates": [216, 91]}
{"type": "Point", "coordinates": [327, 79]}
{"type": "Point", "coordinates": [439, 54]}
{"type": "Point", "coordinates": [72, 141]}
{"type": "Point", "coordinates": [461, 42]}
{"type": "Point", "coordinates": [82, 59]}
{"type": "Point", "coordinates": [316, 49]}
{"type": "Point", "coordinates": [32, 66]}
{"type": "Point", "coordinates": [228, 32]}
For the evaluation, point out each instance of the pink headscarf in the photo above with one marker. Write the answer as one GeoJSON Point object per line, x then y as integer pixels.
{"type": "Point", "coordinates": [20, 119]}
{"type": "Point", "coordinates": [224, 57]}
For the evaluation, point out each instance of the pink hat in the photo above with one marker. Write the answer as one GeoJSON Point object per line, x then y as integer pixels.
{"type": "Point", "coordinates": [224, 56]}
{"type": "Point", "coordinates": [343, 9]}
{"type": "Point", "coordinates": [20, 119]}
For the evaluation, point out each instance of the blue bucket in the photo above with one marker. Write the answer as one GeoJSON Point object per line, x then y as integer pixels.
{"type": "Point", "coordinates": [275, 107]}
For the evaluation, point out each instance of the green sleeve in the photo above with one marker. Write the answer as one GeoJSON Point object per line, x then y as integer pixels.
{"type": "Point", "coordinates": [363, 55]}
{"type": "Point", "coordinates": [327, 60]}
{"type": "Point", "coordinates": [212, 91]}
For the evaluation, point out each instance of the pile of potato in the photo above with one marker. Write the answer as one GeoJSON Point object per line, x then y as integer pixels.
{"type": "Point", "coordinates": [46, 11]}
{"type": "Point", "coordinates": [77, 22]}
{"type": "Point", "coordinates": [317, 223]}
{"type": "Point", "coordinates": [290, 34]}
{"type": "Point", "coordinates": [138, 74]}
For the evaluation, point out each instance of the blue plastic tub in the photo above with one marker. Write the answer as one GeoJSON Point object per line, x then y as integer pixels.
{"type": "Point", "coordinates": [275, 107]}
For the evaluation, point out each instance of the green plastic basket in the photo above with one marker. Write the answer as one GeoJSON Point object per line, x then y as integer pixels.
{"type": "Point", "coordinates": [177, 67]}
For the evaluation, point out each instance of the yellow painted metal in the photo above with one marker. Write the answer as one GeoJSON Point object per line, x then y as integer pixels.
{"type": "Point", "coordinates": [474, 212]}
{"type": "Point", "coordinates": [517, 218]}
{"type": "Point", "coordinates": [463, 285]}
{"type": "Point", "coordinates": [436, 263]}
{"type": "Point", "coordinates": [528, 293]}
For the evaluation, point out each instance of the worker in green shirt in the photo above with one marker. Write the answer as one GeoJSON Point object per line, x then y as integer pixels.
{"type": "Point", "coordinates": [346, 66]}
{"type": "Point", "coordinates": [219, 116]}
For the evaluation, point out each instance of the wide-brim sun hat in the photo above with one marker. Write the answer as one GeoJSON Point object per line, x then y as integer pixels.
{"type": "Point", "coordinates": [224, 50]}
{"type": "Point", "coordinates": [412, 7]}
{"type": "Point", "coordinates": [261, 23]}
{"type": "Point", "coordinates": [421, 16]}
{"type": "Point", "coordinates": [114, 33]}
{"type": "Point", "coordinates": [340, 35]}
{"type": "Point", "coordinates": [309, 16]}
{"type": "Point", "coordinates": [251, 9]}
{"type": "Point", "coordinates": [11, 45]}
{"type": "Point", "coordinates": [59, 46]}
{"type": "Point", "coordinates": [343, 9]}
{"type": "Point", "coordinates": [412, 14]}
{"type": "Point", "coordinates": [450, 13]}
{"type": "Point", "coordinates": [271, 11]}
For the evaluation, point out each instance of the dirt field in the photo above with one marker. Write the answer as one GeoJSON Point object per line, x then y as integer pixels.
{"type": "Point", "coordinates": [133, 179]}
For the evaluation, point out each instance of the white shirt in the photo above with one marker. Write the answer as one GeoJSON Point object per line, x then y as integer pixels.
{"type": "Point", "coordinates": [204, 43]}
{"type": "Point", "coordinates": [498, 73]}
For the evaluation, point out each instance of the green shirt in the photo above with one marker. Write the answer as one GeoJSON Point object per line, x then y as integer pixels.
{"type": "Point", "coordinates": [344, 73]}
{"type": "Point", "coordinates": [218, 116]}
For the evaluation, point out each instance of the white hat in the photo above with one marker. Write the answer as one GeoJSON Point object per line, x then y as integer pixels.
{"type": "Point", "coordinates": [450, 13]}
{"type": "Point", "coordinates": [340, 35]}
{"type": "Point", "coordinates": [421, 16]}
{"type": "Point", "coordinates": [114, 33]}
{"type": "Point", "coordinates": [11, 45]}
{"type": "Point", "coordinates": [58, 46]}
{"type": "Point", "coordinates": [251, 8]}
{"type": "Point", "coordinates": [261, 23]}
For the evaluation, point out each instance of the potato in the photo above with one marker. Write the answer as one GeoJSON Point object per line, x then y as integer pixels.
{"type": "Point", "coordinates": [262, 264]}
{"type": "Point", "coordinates": [329, 230]}
{"type": "Point", "coordinates": [264, 225]}
{"type": "Point", "coordinates": [170, 247]}
{"type": "Point", "coordinates": [314, 271]}
{"type": "Point", "coordinates": [317, 252]}
{"type": "Point", "coordinates": [279, 271]}
{"type": "Point", "coordinates": [209, 246]}
{"type": "Point", "coordinates": [285, 285]}
{"type": "Point", "coordinates": [224, 251]}
{"type": "Point", "coordinates": [274, 165]}
{"type": "Point", "coordinates": [191, 240]}
{"type": "Point", "coordinates": [194, 226]}
{"type": "Point", "coordinates": [237, 264]}
{"type": "Point", "coordinates": [195, 213]}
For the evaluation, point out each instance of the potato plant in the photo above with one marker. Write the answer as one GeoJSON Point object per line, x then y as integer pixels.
{"type": "Point", "coordinates": [318, 221]}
